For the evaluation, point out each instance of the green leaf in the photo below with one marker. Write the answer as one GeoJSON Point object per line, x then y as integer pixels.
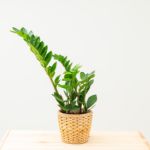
{"type": "Point", "coordinates": [69, 66]}
{"type": "Point", "coordinates": [48, 70]}
{"type": "Point", "coordinates": [48, 57]}
{"type": "Point", "coordinates": [67, 63]}
{"type": "Point", "coordinates": [30, 33]}
{"type": "Point", "coordinates": [76, 68]}
{"type": "Point", "coordinates": [32, 40]}
{"type": "Point", "coordinates": [23, 30]}
{"type": "Point", "coordinates": [53, 68]}
{"type": "Point", "coordinates": [65, 108]}
{"type": "Point", "coordinates": [86, 86]}
{"type": "Point", "coordinates": [87, 78]}
{"type": "Point", "coordinates": [82, 75]}
{"type": "Point", "coordinates": [57, 79]}
{"type": "Point", "coordinates": [75, 108]}
{"type": "Point", "coordinates": [15, 30]}
{"type": "Point", "coordinates": [66, 94]}
{"type": "Point", "coordinates": [64, 61]}
{"type": "Point", "coordinates": [72, 107]}
{"type": "Point", "coordinates": [91, 101]}
{"type": "Point", "coordinates": [68, 75]}
{"type": "Point", "coordinates": [37, 42]}
{"type": "Point", "coordinates": [44, 51]}
{"type": "Point", "coordinates": [66, 79]}
{"type": "Point", "coordinates": [59, 99]}
{"type": "Point", "coordinates": [68, 88]}
{"type": "Point", "coordinates": [40, 48]}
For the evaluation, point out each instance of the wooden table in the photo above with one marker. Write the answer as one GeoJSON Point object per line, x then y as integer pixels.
{"type": "Point", "coordinates": [46, 140]}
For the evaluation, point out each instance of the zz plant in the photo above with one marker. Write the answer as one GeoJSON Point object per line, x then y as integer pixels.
{"type": "Point", "coordinates": [74, 83]}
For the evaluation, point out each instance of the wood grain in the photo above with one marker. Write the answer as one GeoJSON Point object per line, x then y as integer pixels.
{"type": "Point", "coordinates": [3, 140]}
{"type": "Point", "coordinates": [47, 140]}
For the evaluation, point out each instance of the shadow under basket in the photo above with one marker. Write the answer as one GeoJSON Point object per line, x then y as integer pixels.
{"type": "Point", "coordinates": [75, 128]}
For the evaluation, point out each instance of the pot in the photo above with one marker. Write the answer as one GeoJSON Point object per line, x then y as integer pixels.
{"type": "Point", "coordinates": [75, 128]}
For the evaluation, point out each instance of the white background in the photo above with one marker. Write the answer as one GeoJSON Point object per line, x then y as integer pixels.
{"type": "Point", "coordinates": [111, 37]}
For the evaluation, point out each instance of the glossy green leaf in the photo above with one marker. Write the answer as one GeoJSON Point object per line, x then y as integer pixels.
{"type": "Point", "coordinates": [48, 57]}
{"type": "Point", "coordinates": [91, 101]}
{"type": "Point", "coordinates": [82, 75]}
{"type": "Point", "coordinates": [68, 88]}
{"type": "Point", "coordinates": [59, 99]}
{"type": "Point", "coordinates": [53, 68]}
{"type": "Point", "coordinates": [64, 61]}
{"type": "Point", "coordinates": [44, 51]}
{"type": "Point", "coordinates": [57, 79]}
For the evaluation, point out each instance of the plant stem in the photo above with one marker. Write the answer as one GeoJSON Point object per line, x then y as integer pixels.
{"type": "Point", "coordinates": [53, 84]}
{"type": "Point", "coordinates": [55, 88]}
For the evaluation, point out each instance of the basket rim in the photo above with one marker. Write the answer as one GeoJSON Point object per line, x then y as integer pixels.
{"type": "Point", "coordinates": [75, 115]}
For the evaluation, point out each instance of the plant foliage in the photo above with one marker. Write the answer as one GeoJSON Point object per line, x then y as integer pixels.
{"type": "Point", "coordinates": [74, 83]}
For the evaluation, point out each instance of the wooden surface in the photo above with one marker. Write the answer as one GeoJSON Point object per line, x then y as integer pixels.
{"type": "Point", "coordinates": [46, 140]}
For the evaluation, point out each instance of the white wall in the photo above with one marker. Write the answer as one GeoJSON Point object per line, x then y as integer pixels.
{"type": "Point", "coordinates": [111, 37]}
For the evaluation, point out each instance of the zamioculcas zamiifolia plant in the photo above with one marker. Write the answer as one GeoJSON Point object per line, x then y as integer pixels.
{"type": "Point", "coordinates": [70, 87]}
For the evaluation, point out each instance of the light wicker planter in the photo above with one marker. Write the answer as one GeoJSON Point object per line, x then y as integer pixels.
{"type": "Point", "coordinates": [75, 128]}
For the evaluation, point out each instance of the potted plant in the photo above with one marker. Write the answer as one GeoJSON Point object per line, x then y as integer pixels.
{"type": "Point", "coordinates": [70, 89]}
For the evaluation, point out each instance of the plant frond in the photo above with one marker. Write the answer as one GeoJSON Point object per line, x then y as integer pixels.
{"type": "Point", "coordinates": [75, 84]}
{"type": "Point", "coordinates": [38, 47]}
{"type": "Point", "coordinates": [64, 61]}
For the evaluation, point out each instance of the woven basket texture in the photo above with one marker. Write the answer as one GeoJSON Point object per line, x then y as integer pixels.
{"type": "Point", "coordinates": [75, 128]}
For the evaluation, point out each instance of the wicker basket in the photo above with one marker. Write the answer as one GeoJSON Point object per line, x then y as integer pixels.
{"type": "Point", "coordinates": [75, 128]}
